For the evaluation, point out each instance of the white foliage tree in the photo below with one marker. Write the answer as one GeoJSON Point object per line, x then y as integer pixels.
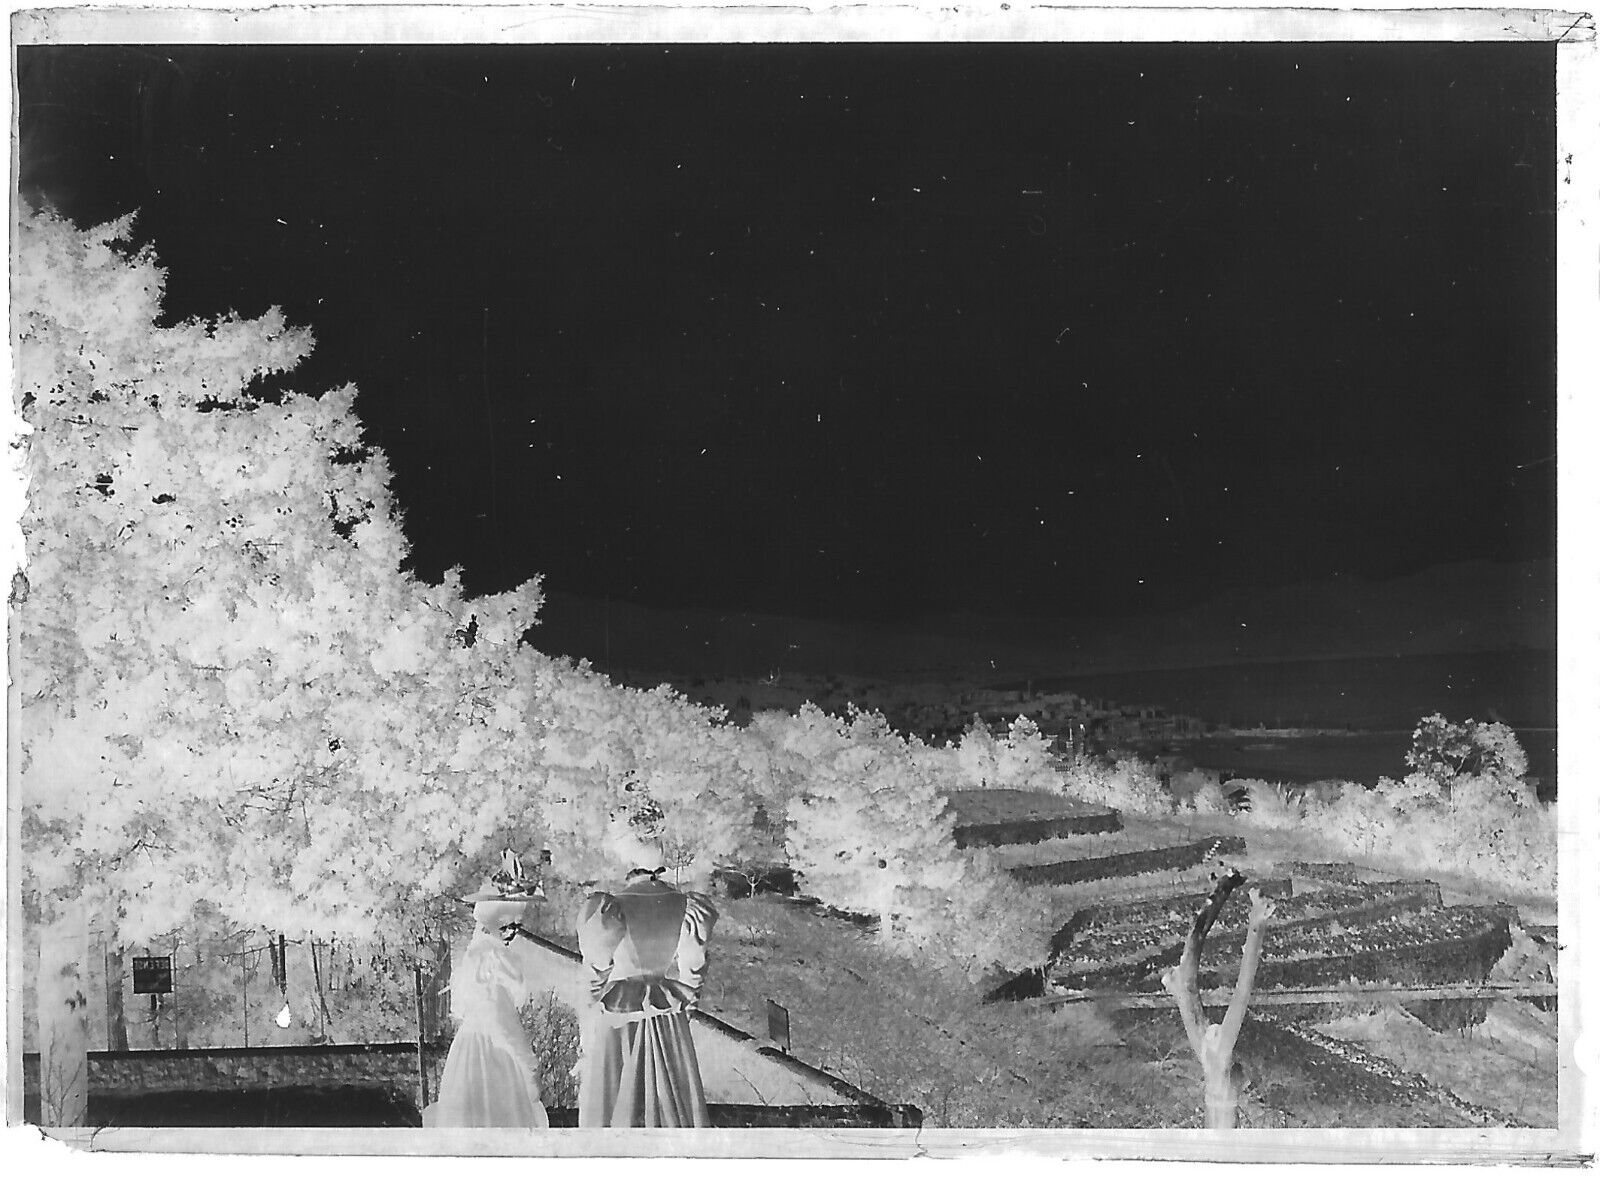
{"type": "Point", "coordinates": [1445, 755]}
{"type": "Point", "coordinates": [227, 686]}
{"type": "Point", "coordinates": [1025, 760]}
{"type": "Point", "coordinates": [870, 831]}
{"type": "Point", "coordinates": [977, 754]}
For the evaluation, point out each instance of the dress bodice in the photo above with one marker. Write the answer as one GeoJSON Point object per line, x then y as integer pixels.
{"type": "Point", "coordinates": [646, 944]}
{"type": "Point", "coordinates": [490, 982]}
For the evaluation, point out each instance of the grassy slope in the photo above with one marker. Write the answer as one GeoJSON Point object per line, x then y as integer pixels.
{"type": "Point", "coordinates": [1478, 1065]}
{"type": "Point", "coordinates": [906, 1031]}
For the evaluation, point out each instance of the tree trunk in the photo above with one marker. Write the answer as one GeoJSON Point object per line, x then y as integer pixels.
{"type": "Point", "coordinates": [1213, 1043]}
{"type": "Point", "coordinates": [422, 1036]}
{"type": "Point", "coordinates": [64, 1033]}
{"type": "Point", "coordinates": [438, 988]}
{"type": "Point", "coordinates": [1222, 1095]}
{"type": "Point", "coordinates": [116, 1017]}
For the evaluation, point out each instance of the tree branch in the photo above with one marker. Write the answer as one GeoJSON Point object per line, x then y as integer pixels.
{"type": "Point", "coordinates": [1260, 913]}
{"type": "Point", "coordinates": [1183, 979]}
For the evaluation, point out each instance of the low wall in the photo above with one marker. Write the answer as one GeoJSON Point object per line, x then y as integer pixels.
{"type": "Point", "coordinates": [353, 1085]}
{"type": "Point", "coordinates": [389, 1068]}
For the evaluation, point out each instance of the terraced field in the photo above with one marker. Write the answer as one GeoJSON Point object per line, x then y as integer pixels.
{"type": "Point", "coordinates": [1012, 817]}
{"type": "Point", "coordinates": [1342, 943]}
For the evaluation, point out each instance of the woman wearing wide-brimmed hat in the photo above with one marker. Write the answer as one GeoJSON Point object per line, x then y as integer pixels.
{"type": "Point", "coordinates": [490, 1077]}
{"type": "Point", "coordinates": [646, 944]}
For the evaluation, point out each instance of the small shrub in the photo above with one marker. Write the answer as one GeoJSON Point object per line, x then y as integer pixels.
{"type": "Point", "coordinates": [1272, 805]}
{"type": "Point", "coordinates": [552, 1028]}
{"type": "Point", "coordinates": [1477, 832]}
{"type": "Point", "coordinates": [1026, 760]}
{"type": "Point", "coordinates": [1128, 784]}
{"type": "Point", "coordinates": [1209, 799]}
{"type": "Point", "coordinates": [1187, 786]}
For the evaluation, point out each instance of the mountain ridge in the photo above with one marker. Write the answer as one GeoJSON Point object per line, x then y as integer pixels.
{"type": "Point", "coordinates": [1458, 608]}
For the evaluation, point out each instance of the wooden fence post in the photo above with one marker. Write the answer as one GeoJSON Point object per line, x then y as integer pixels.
{"type": "Point", "coordinates": [422, 1054]}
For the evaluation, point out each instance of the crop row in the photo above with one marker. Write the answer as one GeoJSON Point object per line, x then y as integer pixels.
{"type": "Point", "coordinates": [1448, 945]}
{"type": "Point", "coordinates": [1333, 908]}
{"type": "Point", "coordinates": [1428, 947]}
{"type": "Point", "coordinates": [1386, 933]}
{"type": "Point", "coordinates": [1121, 933]}
{"type": "Point", "coordinates": [1116, 934]}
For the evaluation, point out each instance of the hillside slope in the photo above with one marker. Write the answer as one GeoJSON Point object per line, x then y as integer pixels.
{"type": "Point", "coordinates": [1477, 606]}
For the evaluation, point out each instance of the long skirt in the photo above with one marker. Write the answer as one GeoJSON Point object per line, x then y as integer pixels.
{"type": "Point", "coordinates": [641, 1074]}
{"type": "Point", "coordinates": [487, 1083]}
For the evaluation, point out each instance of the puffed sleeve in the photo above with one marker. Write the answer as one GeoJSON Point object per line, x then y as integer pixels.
{"type": "Point", "coordinates": [699, 917]}
{"type": "Point", "coordinates": [600, 930]}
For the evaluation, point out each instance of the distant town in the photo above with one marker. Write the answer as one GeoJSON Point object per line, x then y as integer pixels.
{"type": "Point", "coordinates": [938, 712]}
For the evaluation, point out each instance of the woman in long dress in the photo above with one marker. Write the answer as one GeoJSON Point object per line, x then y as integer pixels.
{"type": "Point", "coordinates": [646, 943]}
{"type": "Point", "coordinates": [490, 1077]}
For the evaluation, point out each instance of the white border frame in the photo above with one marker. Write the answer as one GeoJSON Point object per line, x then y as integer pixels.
{"type": "Point", "coordinates": [1578, 571]}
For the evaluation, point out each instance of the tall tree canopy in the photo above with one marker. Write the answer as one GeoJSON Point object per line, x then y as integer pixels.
{"type": "Point", "coordinates": [230, 686]}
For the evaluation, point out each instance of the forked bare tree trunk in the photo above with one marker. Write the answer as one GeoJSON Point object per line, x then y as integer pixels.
{"type": "Point", "coordinates": [1213, 1043]}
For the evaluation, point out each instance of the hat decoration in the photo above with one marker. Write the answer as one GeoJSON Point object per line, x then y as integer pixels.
{"type": "Point", "coordinates": [630, 844]}
{"type": "Point", "coordinates": [510, 882]}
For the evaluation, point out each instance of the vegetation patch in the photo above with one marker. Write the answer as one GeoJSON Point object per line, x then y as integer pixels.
{"type": "Point", "coordinates": [1477, 1067]}
{"type": "Point", "coordinates": [1425, 948]}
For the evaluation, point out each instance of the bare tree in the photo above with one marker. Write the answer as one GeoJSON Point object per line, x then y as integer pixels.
{"type": "Point", "coordinates": [1213, 1042]}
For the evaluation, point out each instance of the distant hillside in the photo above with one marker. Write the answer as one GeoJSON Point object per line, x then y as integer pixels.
{"type": "Point", "coordinates": [1478, 606]}
{"type": "Point", "coordinates": [1517, 687]}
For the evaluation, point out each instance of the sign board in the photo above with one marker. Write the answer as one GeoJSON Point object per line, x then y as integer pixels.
{"type": "Point", "coordinates": [152, 975]}
{"type": "Point", "coordinates": [778, 1025]}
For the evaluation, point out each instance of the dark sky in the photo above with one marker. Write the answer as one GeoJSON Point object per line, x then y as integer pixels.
{"type": "Point", "coordinates": [863, 332]}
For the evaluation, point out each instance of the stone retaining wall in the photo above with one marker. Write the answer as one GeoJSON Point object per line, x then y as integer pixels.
{"type": "Point", "coordinates": [1035, 830]}
{"type": "Point", "coordinates": [377, 1067]}
{"type": "Point", "coordinates": [1177, 858]}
